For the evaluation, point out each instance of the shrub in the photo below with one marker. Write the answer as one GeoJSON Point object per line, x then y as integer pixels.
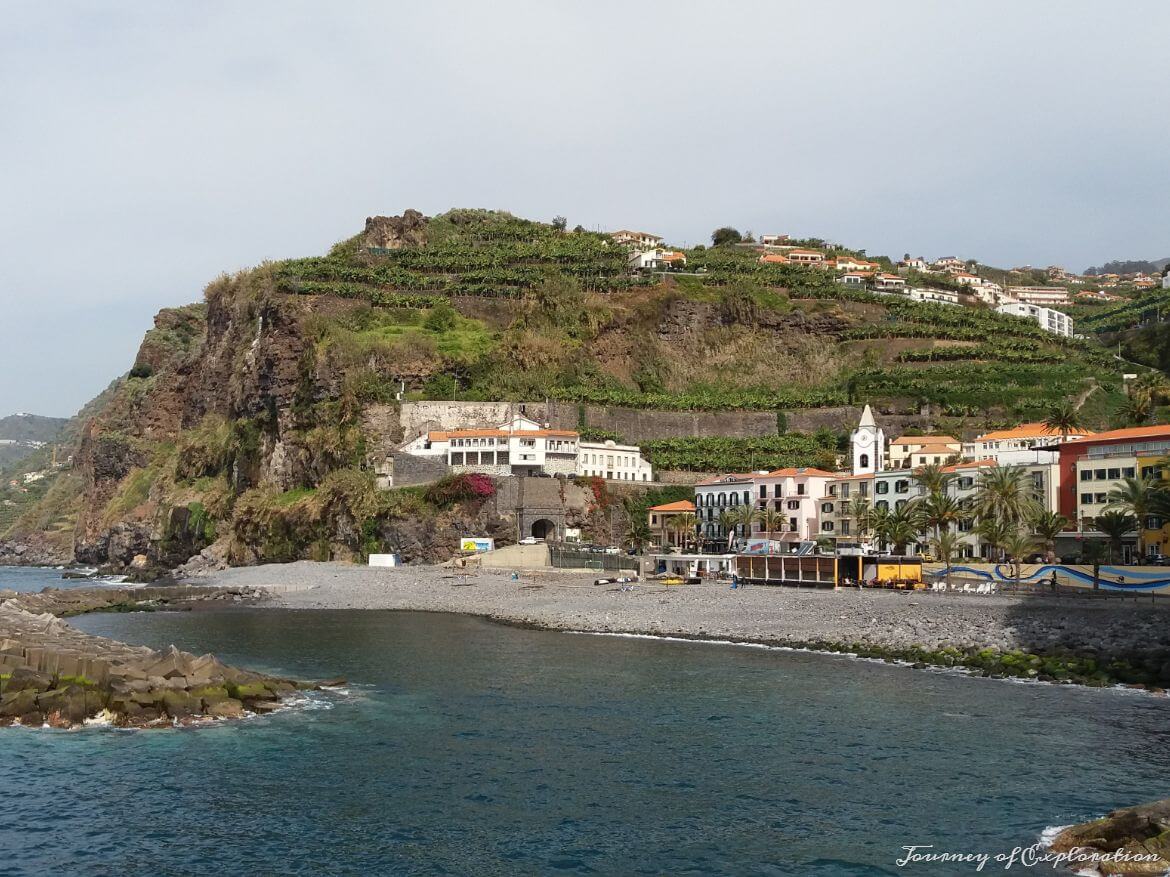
{"type": "Point", "coordinates": [460, 488]}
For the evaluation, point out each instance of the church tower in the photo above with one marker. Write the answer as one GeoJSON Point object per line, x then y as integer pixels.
{"type": "Point", "coordinates": [868, 443]}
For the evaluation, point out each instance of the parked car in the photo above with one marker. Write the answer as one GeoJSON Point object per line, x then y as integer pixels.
{"type": "Point", "coordinates": [530, 540]}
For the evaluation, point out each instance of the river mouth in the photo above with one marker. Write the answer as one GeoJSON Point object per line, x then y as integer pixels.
{"type": "Point", "coordinates": [471, 747]}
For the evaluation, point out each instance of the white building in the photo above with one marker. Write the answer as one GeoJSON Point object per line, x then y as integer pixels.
{"type": "Point", "coordinates": [525, 447]}
{"type": "Point", "coordinates": [889, 283]}
{"type": "Point", "coordinates": [910, 451]}
{"type": "Point", "coordinates": [657, 259]}
{"type": "Point", "coordinates": [1052, 321]}
{"type": "Point", "coordinates": [1166, 280]}
{"type": "Point", "coordinates": [773, 240]}
{"type": "Point", "coordinates": [1024, 445]}
{"type": "Point", "coordinates": [718, 494]}
{"type": "Point", "coordinates": [1038, 295]}
{"type": "Point", "coordinates": [937, 296]}
{"type": "Point", "coordinates": [868, 445]}
{"type": "Point", "coordinates": [794, 494]}
{"type": "Point", "coordinates": [639, 240]}
{"type": "Point", "coordinates": [613, 462]}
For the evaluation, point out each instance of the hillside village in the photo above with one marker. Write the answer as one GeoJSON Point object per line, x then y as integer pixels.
{"type": "Point", "coordinates": [375, 397]}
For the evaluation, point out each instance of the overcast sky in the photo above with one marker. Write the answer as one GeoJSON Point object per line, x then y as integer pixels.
{"type": "Point", "coordinates": [146, 147]}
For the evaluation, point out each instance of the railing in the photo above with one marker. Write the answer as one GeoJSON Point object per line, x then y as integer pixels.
{"type": "Point", "coordinates": [573, 558]}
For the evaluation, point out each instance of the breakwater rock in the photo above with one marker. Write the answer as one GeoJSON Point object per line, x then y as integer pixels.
{"type": "Point", "coordinates": [1127, 842]}
{"type": "Point", "coordinates": [51, 673]}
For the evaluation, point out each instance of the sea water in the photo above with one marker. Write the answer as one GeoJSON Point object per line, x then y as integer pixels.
{"type": "Point", "coordinates": [464, 747]}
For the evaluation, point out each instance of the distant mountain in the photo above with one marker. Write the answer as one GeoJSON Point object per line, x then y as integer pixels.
{"type": "Point", "coordinates": [1129, 266]}
{"type": "Point", "coordinates": [21, 434]}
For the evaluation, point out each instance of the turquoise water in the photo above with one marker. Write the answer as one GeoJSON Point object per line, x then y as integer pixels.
{"type": "Point", "coordinates": [464, 747]}
{"type": "Point", "coordinates": [34, 578]}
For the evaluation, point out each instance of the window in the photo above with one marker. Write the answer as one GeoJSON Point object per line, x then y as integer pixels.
{"type": "Point", "coordinates": [1099, 474]}
{"type": "Point", "coordinates": [966, 482]}
{"type": "Point", "coordinates": [901, 486]}
{"type": "Point", "coordinates": [793, 504]}
{"type": "Point", "coordinates": [827, 526]}
{"type": "Point", "coordinates": [863, 461]}
{"type": "Point", "coordinates": [883, 505]}
{"type": "Point", "coordinates": [763, 491]}
{"type": "Point", "coordinates": [1086, 475]}
{"type": "Point", "coordinates": [1128, 472]}
{"type": "Point", "coordinates": [1086, 499]}
{"type": "Point", "coordinates": [882, 487]}
{"type": "Point", "coordinates": [1115, 473]}
{"type": "Point", "coordinates": [800, 490]}
{"type": "Point", "coordinates": [456, 458]}
{"type": "Point", "coordinates": [827, 508]}
{"type": "Point", "coordinates": [792, 525]}
{"type": "Point", "coordinates": [832, 490]}
{"type": "Point", "coordinates": [844, 491]}
{"type": "Point", "coordinates": [654, 519]}
{"type": "Point", "coordinates": [844, 528]}
{"type": "Point", "coordinates": [747, 498]}
{"type": "Point", "coordinates": [1101, 497]}
{"type": "Point", "coordinates": [863, 488]}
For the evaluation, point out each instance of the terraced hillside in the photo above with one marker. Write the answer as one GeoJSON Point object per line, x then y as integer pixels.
{"type": "Point", "coordinates": [540, 312]}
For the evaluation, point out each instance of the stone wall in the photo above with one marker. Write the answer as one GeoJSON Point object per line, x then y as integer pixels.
{"type": "Point", "coordinates": [411, 470]}
{"type": "Point", "coordinates": [638, 425]}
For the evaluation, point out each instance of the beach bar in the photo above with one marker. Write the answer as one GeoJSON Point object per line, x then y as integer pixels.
{"type": "Point", "coordinates": [830, 571]}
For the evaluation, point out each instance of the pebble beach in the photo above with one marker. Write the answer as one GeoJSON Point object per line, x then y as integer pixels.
{"type": "Point", "coordinates": [562, 600]}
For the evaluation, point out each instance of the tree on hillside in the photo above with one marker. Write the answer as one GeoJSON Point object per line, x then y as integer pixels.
{"type": "Point", "coordinates": [559, 223]}
{"type": "Point", "coordinates": [637, 533]}
{"type": "Point", "coordinates": [1136, 409]}
{"type": "Point", "coordinates": [1063, 418]}
{"type": "Point", "coordinates": [725, 235]}
{"type": "Point", "coordinates": [1115, 526]}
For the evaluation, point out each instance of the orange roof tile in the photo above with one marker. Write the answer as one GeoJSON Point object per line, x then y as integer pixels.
{"type": "Point", "coordinates": [1026, 430]}
{"type": "Point", "coordinates": [1133, 432]}
{"type": "Point", "coordinates": [935, 449]}
{"type": "Point", "coordinates": [792, 472]}
{"type": "Point", "coordinates": [970, 464]}
{"type": "Point", "coordinates": [683, 505]}
{"type": "Point", "coordinates": [774, 257]}
{"type": "Point", "coordinates": [925, 440]}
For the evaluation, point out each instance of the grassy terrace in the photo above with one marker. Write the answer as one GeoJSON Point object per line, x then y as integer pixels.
{"type": "Point", "coordinates": [571, 295]}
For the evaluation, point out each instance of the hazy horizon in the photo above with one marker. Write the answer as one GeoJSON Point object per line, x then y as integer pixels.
{"type": "Point", "coordinates": [145, 151]}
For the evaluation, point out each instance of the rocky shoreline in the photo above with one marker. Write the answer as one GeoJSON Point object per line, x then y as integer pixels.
{"type": "Point", "coordinates": [53, 674]}
{"type": "Point", "coordinates": [1128, 842]}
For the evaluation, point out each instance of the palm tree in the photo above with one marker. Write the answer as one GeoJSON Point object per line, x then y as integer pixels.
{"type": "Point", "coordinates": [728, 518]}
{"type": "Point", "coordinates": [1115, 526]}
{"type": "Point", "coordinates": [1093, 553]}
{"type": "Point", "coordinates": [901, 529]}
{"type": "Point", "coordinates": [1005, 492]}
{"type": "Point", "coordinates": [879, 522]}
{"type": "Point", "coordinates": [1047, 526]}
{"type": "Point", "coordinates": [937, 511]}
{"type": "Point", "coordinates": [946, 546]}
{"type": "Point", "coordinates": [859, 511]}
{"type": "Point", "coordinates": [637, 532]}
{"type": "Point", "coordinates": [771, 521]}
{"type": "Point", "coordinates": [1136, 409]}
{"type": "Point", "coordinates": [1064, 418]}
{"type": "Point", "coordinates": [1134, 496]}
{"type": "Point", "coordinates": [745, 517]}
{"type": "Point", "coordinates": [1017, 545]}
{"type": "Point", "coordinates": [993, 532]}
{"type": "Point", "coordinates": [684, 527]}
{"type": "Point", "coordinates": [932, 479]}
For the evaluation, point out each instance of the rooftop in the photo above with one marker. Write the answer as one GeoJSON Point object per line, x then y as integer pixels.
{"type": "Point", "coordinates": [1027, 430]}
{"type": "Point", "coordinates": [683, 505]}
{"type": "Point", "coordinates": [925, 440]}
{"type": "Point", "coordinates": [1132, 432]}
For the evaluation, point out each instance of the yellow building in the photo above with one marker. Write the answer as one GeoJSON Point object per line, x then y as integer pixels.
{"type": "Point", "coordinates": [1155, 539]}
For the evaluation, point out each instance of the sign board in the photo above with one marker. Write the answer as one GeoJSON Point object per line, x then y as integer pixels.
{"type": "Point", "coordinates": [385, 560]}
{"type": "Point", "coordinates": [764, 546]}
{"type": "Point", "coordinates": [474, 543]}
